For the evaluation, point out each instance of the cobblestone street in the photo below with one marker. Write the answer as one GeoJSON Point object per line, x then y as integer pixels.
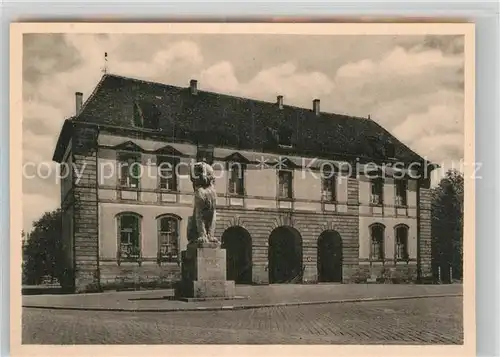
{"type": "Point", "coordinates": [413, 321]}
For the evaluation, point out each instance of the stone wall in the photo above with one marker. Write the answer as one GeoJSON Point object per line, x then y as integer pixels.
{"type": "Point", "coordinates": [133, 275]}
{"type": "Point", "coordinates": [425, 248]}
{"type": "Point", "coordinates": [260, 225]}
{"type": "Point", "coordinates": [385, 273]}
{"type": "Point", "coordinates": [261, 222]}
{"type": "Point", "coordinates": [85, 225]}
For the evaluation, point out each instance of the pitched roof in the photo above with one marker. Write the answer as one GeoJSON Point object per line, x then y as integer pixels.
{"type": "Point", "coordinates": [241, 123]}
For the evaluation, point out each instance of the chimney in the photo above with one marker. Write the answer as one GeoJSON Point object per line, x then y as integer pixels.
{"type": "Point", "coordinates": [78, 102]}
{"type": "Point", "coordinates": [280, 101]}
{"type": "Point", "coordinates": [316, 106]}
{"type": "Point", "coordinates": [193, 86]}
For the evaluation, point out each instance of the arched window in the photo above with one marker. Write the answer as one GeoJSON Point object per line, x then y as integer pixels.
{"type": "Point", "coordinates": [377, 232]}
{"type": "Point", "coordinates": [129, 236]}
{"type": "Point", "coordinates": [401, 233]}
{"type": "Point", "coordinates": [168, 238]}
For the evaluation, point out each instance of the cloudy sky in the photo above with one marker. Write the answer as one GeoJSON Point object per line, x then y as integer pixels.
{"type": "Point", "coordinates": [412, 85]}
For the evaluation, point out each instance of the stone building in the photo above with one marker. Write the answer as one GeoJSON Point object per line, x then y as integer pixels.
{"type": "Point", "coordinates": [280, 217]}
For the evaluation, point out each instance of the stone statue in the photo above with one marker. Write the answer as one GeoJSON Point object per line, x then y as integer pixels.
{"type": "Point", "coordinates": [203, 268]}
{"type": "Point", "coordinates": [202, 226]}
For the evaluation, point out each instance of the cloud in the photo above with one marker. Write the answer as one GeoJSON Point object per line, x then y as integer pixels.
{"type": "Point", "coordinates": [436, 120]}
{"type": "Point", "coordinates": [288, 80]}
{"type": "Point", "coordinates": [411, 85]}
{"type": "Point", "coordinates": [48, 94]}
{"type": "Point", "coordinates": [427, 134]}
{"type": "Point", "coordinates": [449, 45]}
{"type": "Point", "coordinates": [399, 62]}
{"type": "Point", "coordinates": [400, 73]}
{"type": "Point", "coordinates": [220, 77]}
{"type": "Point", "coordinates": [413, 92]}
{"type": "Point", "coordinates": [298, 87]}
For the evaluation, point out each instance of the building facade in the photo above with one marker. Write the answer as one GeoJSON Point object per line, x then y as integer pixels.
{"type": "Point", "coordinates": [303, 196]}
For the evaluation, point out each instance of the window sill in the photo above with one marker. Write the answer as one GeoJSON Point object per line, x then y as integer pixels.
{"type": "Point", "coordinates": [129, 262]}
{"type": "Point", "coordinates": [236, 195]}
{"type": "Point", "coordinates": [168, 262]}
{"type": "Point", "coordinates": [402, 261]}
{"type": "Point", "coordinates": [288, 199]}
{"type": "Point", "coordinates": [376, 204]}
{"type": "Point", "coordinates": [164, 190]}
{"type": "Point", "coordinates": [126, 188]}
{"type": "Point", "coordinates": [148, 130]}
{"type": "Point", "coordinates": [330, 202]}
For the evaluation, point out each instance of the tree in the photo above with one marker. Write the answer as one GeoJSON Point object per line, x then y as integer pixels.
{"type": "Point", "coordinates": [43, 251]}
{"type": "Point", "coordinates": [447, 225]}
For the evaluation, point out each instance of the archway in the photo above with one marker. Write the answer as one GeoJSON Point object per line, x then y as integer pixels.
{"type": "Point", "coordinates": [330, 257]}
{"type": "Point", "coordinates": [285, 256]}
{"type": "Point", "coordinates": [238, 244]}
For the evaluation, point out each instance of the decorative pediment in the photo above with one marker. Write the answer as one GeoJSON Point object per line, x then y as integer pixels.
{"type": "Point", "coordinates": [398, 173]}
{"type": "Point", "coordinates": [169, 151]}
{"type": "Point", "coordinates": [237, 157]}
{"type": "Point", "coordinates": [370, 168]}
{"type": "Point", "coordinates": [283, 162]}
{"type": "Point", "coordinates": [128, 146]}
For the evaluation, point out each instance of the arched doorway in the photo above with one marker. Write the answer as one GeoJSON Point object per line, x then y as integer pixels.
{"type": "Point", "coordinates": [238, 244]}
{"type": "Point", "coordinates": [285, 256]}
{"type": "Point", "coordinates": [330, 257]}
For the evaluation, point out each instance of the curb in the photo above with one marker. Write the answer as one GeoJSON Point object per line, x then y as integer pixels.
{"type": "Point", "coordinates": [239, 307]}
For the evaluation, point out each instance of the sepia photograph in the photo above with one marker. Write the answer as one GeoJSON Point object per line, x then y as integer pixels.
{"type": "Point", "coordinates": [245, 185]}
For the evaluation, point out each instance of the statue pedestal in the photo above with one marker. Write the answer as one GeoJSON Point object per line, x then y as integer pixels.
{"type": "Point", "coordinates": [204, 274]}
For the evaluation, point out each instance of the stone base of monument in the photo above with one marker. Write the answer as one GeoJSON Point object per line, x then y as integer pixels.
{"type": "Point", "coordinates": [204, 274]}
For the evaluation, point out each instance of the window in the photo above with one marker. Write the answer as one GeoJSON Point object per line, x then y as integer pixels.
{"type": "Point", "coordinates": [401, 195]}
{"type": "Point", "coordinates": [329, 187]}
{"type": "Point", "coordinates": [271, 138]}
{"type": "Point", "coordinates": [168, 239]}
{"type": "Point", "coordinates": [205, 153]}
{"type": "Point", "coordinates": [401, 243]}
{"type": "Point", "coordinates": [285, 137]}
{"type": "Point", "coordinates": [390, 151]}
{"type": "Point", "coordinates": [377, 242]}
{"type": "Point", "coordinates": [130, 170]}
{"type": "Point", "coordinates": [138, 121]}
{"type": "Point", "coordinates": [167, 172]}
{"type": "Point", "coordinates": [129, 237]}
{"type": "Point", "coordinates": [376, 145]}
{"type": "Point", "coordinates": [236, 179]}
{"type": "Point", "coordinates": [146, 115]}
{"type": "Point", "coordinates": [64, 169]}
{"type": "Point", "coordinates": [285, 184]}
{"type": "Point", "coordinates": [377, 195]}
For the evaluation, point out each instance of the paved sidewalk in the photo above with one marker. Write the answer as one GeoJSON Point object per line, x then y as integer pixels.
{"type": "Point", "coordinates": [254, 297]}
